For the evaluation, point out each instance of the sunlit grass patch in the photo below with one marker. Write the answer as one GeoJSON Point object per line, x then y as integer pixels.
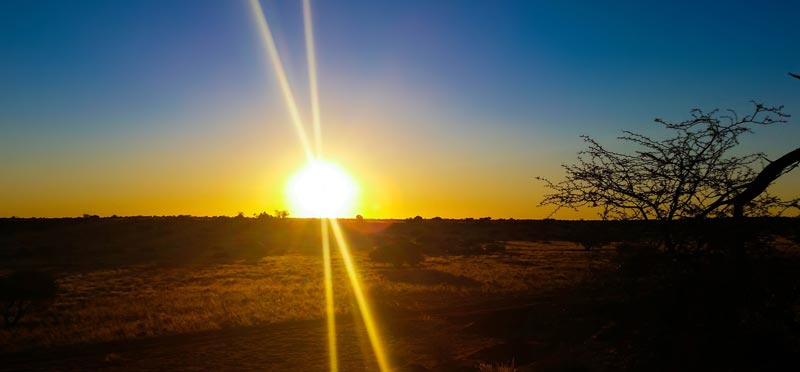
{"type": "Point", "coordinates": [147, 301]}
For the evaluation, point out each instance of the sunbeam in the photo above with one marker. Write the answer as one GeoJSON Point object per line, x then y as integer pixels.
{"type": "Point", "coordinates": [283, 81]}
{"type": "Point", "coordinates": [312, 76]}
{"type": "Point", "coordinates": [361, 300]}
{"type": "Point", "coordinates": [329, 308]}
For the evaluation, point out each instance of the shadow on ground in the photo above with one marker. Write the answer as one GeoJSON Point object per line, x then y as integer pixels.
{"type": "Point", "coordinates": [429, 277]}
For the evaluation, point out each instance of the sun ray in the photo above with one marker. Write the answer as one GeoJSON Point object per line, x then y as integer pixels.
{"type": "Point", "coordinates": [312, 76]}
{"type": "Point", "coordinates": [361, 300]}
{"type": "Point", "coordinates": [329, 305]}
{"type": "Point", "coordinates": [283, 81]}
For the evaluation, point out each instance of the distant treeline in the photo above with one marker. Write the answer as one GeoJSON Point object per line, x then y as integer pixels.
{"type": "Point", "coordinates": [26, 242]}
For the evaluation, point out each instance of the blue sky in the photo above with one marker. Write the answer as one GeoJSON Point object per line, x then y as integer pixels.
{"type": "Point", "coordinates": [102, 95]}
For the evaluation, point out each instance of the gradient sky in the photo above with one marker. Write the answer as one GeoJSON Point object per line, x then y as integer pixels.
{"type": "Point", "coordinates": [438, 108]}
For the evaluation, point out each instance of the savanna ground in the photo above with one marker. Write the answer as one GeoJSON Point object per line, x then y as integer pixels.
{"type": "Point", "coordinates": [185, 293]}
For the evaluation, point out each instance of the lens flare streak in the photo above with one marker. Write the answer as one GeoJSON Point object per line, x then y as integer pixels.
{"type": "Point", "coordinates": [289, 99]}
{"type": "Point", "coordinates": [361, 300]}
{"type": "Point", "coordinates": [329, 306]}
{"type": "Point", "coordinates": [283, 81]}
{"type": "Point", "coordinates": [312, 76]}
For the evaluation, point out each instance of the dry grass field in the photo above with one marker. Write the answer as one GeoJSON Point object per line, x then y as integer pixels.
{"type": "Point", "coordinates": [529, 304]}
{"type": "Point", "coordinates": [146, 301]}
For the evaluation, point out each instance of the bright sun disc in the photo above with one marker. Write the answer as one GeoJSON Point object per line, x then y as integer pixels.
{"type": "Point", "coordinates": [321, 189]}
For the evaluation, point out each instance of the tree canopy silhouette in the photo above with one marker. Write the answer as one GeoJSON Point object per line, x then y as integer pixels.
{"type": "Point", "coordinates": [693, 174]}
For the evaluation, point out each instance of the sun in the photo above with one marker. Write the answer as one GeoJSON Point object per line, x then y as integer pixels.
{"type": "Point", "coordinates": [321, 189]}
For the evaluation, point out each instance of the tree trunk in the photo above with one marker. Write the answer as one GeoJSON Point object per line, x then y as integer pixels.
{"type": "Point", "coordinates": [768, 175]}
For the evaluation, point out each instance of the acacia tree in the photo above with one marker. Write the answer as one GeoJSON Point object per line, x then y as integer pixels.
{"type": "Point", "coordinates": [691, 174]}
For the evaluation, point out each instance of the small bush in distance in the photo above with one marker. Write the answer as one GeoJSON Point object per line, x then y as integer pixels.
{"type": "Point", "coordinates": [23, 291]}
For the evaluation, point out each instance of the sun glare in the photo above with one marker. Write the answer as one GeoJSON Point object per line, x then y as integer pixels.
{"type": "Point", "coordinates": [322, 189]}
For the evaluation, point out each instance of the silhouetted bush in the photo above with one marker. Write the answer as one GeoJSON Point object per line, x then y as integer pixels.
{"type": "Point", "coordinates": [796, 235]}
{"type": "Point", "coordinates": [494, 247]}
{"type": "Point", "coordinates": [397, 252]}
{"type": "Point", "coordinates": [591, 238]}
{"type": "Point", "coordinates": [636, 259]}
{"type": "Point", "coordinates": [22, 291]}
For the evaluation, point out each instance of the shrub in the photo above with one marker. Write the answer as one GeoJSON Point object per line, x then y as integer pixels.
{"type": "Point", "coordinates": [636, 259]}
{"type": "Point", "coordinates": [22, 291]}
{"type": "Point", "coordinates": [397, 252]}
{"type": "Point", "coordinates": [591, 237]}
{"type": "Point", "coordinates": [494, 247]}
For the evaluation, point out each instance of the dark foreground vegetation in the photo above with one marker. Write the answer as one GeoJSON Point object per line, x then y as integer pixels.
{"type": "Point", "coordinates": [487, 295]}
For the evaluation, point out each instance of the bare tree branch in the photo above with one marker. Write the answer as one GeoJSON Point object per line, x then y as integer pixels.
{"type": "Point", "coordinates": [690, 174]}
